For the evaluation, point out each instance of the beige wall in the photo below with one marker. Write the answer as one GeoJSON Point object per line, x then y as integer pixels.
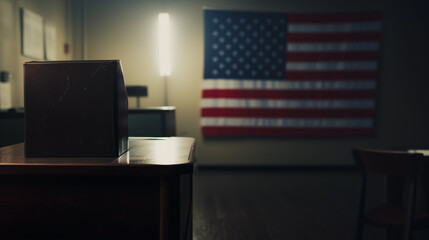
{"type": "Point", "coordinates": [126, 30]}
{"type": "Point", "coordinates": [11, 58]}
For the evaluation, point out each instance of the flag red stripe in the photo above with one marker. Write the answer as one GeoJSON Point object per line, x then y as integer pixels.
{"type": "Point", "coordinates": [332, 56]}
{"type": "Point", "coordinates": [365, 29]}
{"type": "Point", "coordinates": [333, 37]}
{"type": "Point", "coordinates": [282, 132]}
{"type": "Point", "coordinates": [290, 113]}
{"type": "Point", "coordinates": [288, 94]}
{"type": "Point", "coordinates": [334, 18]}
{"type": "Point", "coordinates": [330, 75]}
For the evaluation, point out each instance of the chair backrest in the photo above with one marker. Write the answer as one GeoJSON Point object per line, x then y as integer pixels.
{"type": "Point", "coordinates": [136, 91]}
{"type": "Point", "coordinates": [396, 163]}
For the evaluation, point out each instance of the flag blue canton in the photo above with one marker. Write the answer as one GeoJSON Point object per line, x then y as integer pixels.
{"type": "Point", "coordinates": [243, 45]}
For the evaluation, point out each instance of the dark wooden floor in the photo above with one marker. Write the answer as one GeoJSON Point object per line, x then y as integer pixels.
{"type": "Point", "coordinates": [296, 205]}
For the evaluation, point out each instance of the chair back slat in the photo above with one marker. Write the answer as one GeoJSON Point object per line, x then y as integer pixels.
{"type": "Point", "coordinates": [395, 163]}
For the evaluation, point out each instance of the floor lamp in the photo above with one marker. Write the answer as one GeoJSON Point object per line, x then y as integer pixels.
{"type": "Point", "coordinates": [164, 50]}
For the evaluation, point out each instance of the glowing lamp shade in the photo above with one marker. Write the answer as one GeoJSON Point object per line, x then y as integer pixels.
{"type": "Point", "coordinates": [164, 44]}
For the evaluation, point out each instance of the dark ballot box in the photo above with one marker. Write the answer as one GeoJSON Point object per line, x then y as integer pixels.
{"type": "Point", "coordinates": [75, 109]}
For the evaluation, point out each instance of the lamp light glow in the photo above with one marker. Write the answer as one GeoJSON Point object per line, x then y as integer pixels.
{"type": "Point", "coordinates": [164, 44]}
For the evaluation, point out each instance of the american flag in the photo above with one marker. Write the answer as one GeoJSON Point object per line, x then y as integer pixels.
{"type": "Point", "coordinates": [279, 74]}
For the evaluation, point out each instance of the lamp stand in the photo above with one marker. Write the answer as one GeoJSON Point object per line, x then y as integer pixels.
{"type": "Point", "coordinates": [165, 91]}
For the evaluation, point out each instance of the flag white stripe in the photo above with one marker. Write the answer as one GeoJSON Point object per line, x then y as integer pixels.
{"type": "Point", "coordinates": [287, 122]}
{"type": "Point", "coordinates": [253, 103]}
{"type": "Point", "coordinates": [287, 85]}
{"type": "Point", "coordinates": [332, 27]}
{"type": "Point", "coordinates": [346, 65]}
{"type": "Point", "coordinates": [332, 47]}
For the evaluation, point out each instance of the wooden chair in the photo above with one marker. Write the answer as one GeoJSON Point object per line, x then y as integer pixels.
{"type": "Point", "coordinates": [393, 214]}
{"type": "Point", "coordinates": [138, 92]}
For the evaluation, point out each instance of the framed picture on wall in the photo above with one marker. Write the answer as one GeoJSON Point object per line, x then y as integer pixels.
{"type": "Point", "coordinates": [31, 34]}
{"type": "Point", "coordinates": [50, 41]}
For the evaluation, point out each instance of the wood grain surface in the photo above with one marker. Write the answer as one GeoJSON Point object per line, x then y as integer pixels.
{"type": "Point", "coordinates": [146, 156]}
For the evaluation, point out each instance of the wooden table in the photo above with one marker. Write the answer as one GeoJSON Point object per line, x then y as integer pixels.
{"type": "Point", "coordinates": [144, 194]}
{"type": "Point", "coordinates": [425, 152]}
{"type": "Point", "coordinates": [152, 121]}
